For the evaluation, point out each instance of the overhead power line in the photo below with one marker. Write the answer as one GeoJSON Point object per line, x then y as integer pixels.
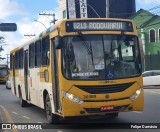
{"type": "Point", "coordinates": [41, 23]}
{"type": "Point", "coordinates": [153, 8]}
{"type": "Point", "coordinates": [49, 14]}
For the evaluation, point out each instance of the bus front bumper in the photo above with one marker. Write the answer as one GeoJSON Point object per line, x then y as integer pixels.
{"type": "Point", "coordinates": [101, 108]}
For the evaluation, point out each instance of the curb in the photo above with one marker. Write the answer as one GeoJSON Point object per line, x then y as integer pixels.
{"type": "Point", "coordinates": [151, 87]}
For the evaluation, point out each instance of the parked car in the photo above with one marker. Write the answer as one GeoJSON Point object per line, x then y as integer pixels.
{"type": "Point", "coordinates": [151, 77]}
{"type": "Point", "coordinates": [8, 83]}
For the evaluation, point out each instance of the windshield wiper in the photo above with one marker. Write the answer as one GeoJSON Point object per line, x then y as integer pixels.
{"type": "Point", "coordinates": [71, 55]}
{"type": "Point", "coordinates": [90, 46]}
{"type": "Point", "coordinates": [85, 44]}
{"type": "Point", "coordinates": [121, 37]}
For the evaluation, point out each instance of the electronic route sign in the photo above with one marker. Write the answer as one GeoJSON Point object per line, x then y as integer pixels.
{"type": "Point", "coordinates": [94, 25]}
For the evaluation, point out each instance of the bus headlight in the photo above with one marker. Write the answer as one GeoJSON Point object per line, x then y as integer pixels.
{"type": "Point", "coordinates": [136, 94]}
{"type": "Point", "coordinates": [72, 97]}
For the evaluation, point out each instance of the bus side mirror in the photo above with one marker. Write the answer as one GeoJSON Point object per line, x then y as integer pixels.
{"type": "Point", "coordinates": [58, 42]}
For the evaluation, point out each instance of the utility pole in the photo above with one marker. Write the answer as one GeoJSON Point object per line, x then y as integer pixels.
{"type": "Point", "coordinates": [49, 14]}
{"type": "Point", "coordinates": [107, 8]}
{"type": "Point", "coordinates": [8, 58]}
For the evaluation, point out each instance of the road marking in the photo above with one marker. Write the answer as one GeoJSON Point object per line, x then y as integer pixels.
{"type": "Point", "coordinates": [59, 131]}
{"type": "Point", "coordinates": [153, 92]}
{"type": "Point", "coordinates": [39, 122]}
{"type": "Point", "coordinates": [9, 118]}
{"type": "Point", "coordinates": [26, 117]}
{"type": "Point", "coordinates": [139, 112]}
{"type": "Point", "coordinates": [14, 113]}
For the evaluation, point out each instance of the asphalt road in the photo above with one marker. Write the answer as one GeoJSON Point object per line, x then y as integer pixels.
{"type": "Point", "coordinates": [33, 114]}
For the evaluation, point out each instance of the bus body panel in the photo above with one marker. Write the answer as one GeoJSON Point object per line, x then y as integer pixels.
{"type": "Point", "coordinates": [95, 107]}
{"type": "Point", "coordinates": [40, 81]}
{"type": "Point", "coordinates": [99, 100]}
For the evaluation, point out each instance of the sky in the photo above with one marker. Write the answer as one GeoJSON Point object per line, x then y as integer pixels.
{"type": "Point", "coordinates": [25, 13]}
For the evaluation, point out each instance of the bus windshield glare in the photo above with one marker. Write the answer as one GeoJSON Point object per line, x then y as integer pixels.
{"type": "Point", "coordinates": [94, 57]}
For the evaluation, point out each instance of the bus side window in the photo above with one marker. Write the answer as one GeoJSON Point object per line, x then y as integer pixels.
{"type": "Point", "coordinates": [17, 60]}
{"type": "Point", "coordinates": [31, 55]}
{"type": "Point", "coordinates": [11, 61]}
{"type": "Point", "coordinates": [38, 56]}
{"type": "Point", "coordinates": [45, 50]}
{"type": "Point", "coordinates": [21, 59]}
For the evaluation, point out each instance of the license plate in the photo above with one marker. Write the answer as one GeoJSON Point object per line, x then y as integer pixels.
{"type": "Point", "coordinates": [105, 108]}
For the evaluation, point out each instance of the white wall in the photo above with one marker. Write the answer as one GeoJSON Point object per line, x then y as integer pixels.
{"type": "Point", "coordinates": [62, 7]}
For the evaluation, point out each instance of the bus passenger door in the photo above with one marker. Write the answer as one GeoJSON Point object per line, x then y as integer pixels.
{"type": "Point", "coordinates": [55, 81]}
{"type": "Point", "coordinates": [14, 79]}
{"type": "Point", "coordinates": [26, 73]}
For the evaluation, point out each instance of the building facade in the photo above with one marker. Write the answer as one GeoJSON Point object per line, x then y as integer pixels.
{"type": "Point", "coordinates": [96, 8]}
{"type": "Point", "coordinates": [148, 26]}
{"type": "Point", "coordinates": [121, 8]}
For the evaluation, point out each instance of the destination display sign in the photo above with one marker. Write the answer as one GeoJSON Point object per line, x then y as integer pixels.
{"type": "Point", "coordinates": [75, 26]}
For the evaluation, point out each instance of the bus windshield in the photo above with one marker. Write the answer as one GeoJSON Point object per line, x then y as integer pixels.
{"type": "Point", "coordinates": [3, 71]}
{"type": "Point", "coordinates": [89, 57]}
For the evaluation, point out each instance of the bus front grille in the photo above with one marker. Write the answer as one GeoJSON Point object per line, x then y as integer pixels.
{"type": "Point", "coordinates": [105, 89]}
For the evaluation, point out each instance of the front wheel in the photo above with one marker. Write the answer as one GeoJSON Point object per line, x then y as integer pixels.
{"type": "Point", "coordinates": [52, 118]}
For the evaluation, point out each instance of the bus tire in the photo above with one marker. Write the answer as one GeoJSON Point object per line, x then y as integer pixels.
{"type": "Point", "coordinates": [52, 118]}
{"type": "Point", "coordinates": [23, 103]}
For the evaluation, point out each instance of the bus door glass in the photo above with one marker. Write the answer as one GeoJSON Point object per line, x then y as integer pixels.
{"type": "Point", "coordinates": [14, 81]}
{"type": "Point", "coordinates": [55, 80]}
{"type": "Point", "coordinates": [26, 72]}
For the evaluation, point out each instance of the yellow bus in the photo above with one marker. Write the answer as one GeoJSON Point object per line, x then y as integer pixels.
{"type": "Point", "coordinates": [4, 72]}
{"type": "Point", "coordinates": [80, 67]}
